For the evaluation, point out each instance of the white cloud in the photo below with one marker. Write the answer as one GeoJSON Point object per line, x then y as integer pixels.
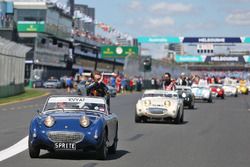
{"type": "Point", "coordinates": [135, 5]}
{"type": "Point", "coordinates": [160, 22]}
{"type": "Point", "coordinates": [171, 7]}
{"type": "Point", "coordinates": [200, 26]}
{"type": "Point", "coordinates": [239, 18]}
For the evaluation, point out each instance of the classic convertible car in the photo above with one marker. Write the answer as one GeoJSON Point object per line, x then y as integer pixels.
{"type": "Point", "coordinates": [230, 90]}
{"type": "Point", "coordinates": [74, 123]}
{"type": "Point", "coordinates": [186, 94]}
{"type": "Point", "coordinates": [242, 87]}
{"type": "Point", "coordinates": [217, 90]}
{"type": "Point", "coordinates": [161, 105]}
{"type": "Point", "coordinates": [202, 93]}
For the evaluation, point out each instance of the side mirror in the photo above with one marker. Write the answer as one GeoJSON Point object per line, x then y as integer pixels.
{"type": "Point", "coordinates": [38, 112]}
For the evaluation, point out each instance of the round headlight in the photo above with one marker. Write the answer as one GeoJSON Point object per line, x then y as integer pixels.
{"type": "Point", "coordinates": [84, 121]}
{"type": "Point", "coordinates": [147, 102]}
{"type": "Point", "coordinates": [167, 103]}
{"type": "Point", "coordinates": [218, 89]}
{"type": "Point", "coordinates": [184, 95]}
{"type": "Point", "coordinates": [49, 121]}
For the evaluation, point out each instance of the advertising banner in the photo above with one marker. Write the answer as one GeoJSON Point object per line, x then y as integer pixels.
{"type": "Point", "coordinates": [212, 40]}
{"type": "Point", "coordinates": [159, 40]}
{"type": "Point", "coordinates": [30, 26]}
{"type": "Point", "coordinates": [164, 39]}
{"type": "Point", "coordinates": [118, 51]}
{"type": "Point", "coordinates": [233, 59]}
{"type": "Point", "coordinates": [189, 58]}
{"type": "Point", "coordinates": [206, 59]}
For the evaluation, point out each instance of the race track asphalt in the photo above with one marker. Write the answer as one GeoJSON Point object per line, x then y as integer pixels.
{"type": "Point", "coordinates": [213, 135]}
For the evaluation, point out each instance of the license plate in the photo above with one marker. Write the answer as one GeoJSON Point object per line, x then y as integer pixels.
{"type": "Point", "coordinates": [65, 146]}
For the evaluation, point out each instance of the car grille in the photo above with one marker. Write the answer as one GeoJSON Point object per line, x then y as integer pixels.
{"type": "Point", "coordinates": [69, 137]}
{"type": "Point", "coordinates": [156, 111]}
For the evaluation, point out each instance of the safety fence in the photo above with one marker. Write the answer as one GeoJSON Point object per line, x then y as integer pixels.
{"type": "Point", "coordinates": [12, 67]}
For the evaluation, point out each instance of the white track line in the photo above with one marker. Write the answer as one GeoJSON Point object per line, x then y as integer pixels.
{"type": "Point", "coordinates": [17, 148]}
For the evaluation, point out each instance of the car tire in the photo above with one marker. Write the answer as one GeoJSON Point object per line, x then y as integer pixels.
{"type": "Point", "coordinates": [177, 120]}
{"type": "Point", "coordinates": [102, 151]}
{"type": "Point", "coordinates": [191, 106]}
{"type": "Point", "coordinates": [182, 117]}
{"type": "Point", "coordinates": [236, 95]}
{"type": "Point", "coordinates": [137, 118]}
{"type": "Point", "coordinates": [113, 148]}
{"type": "Point", "coordinates": [222, 97]}
{"type": "Point", "coordinates": [33, 151]}
{"type": "Point", "coordinates": [210, 100]}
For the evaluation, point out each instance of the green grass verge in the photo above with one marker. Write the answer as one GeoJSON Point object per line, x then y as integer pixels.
{"type": "Point", "coordinates": [29, 93]}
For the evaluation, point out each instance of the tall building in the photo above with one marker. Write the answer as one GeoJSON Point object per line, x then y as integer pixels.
{"type": "Point", "coordinates": [177, 48]}
{"type": "Point", "coordinates": [83, 25]}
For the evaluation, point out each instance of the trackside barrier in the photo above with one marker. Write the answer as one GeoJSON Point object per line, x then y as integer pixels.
{"type": "Point", "coordinates": [12, 67]}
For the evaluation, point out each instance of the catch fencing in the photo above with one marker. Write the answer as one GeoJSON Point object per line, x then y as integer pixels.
{"type": "Point", "coordinates": [12, 67]}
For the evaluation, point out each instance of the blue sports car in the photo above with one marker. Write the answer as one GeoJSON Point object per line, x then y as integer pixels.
{"type": "Point", "coordinates": [74, 123]}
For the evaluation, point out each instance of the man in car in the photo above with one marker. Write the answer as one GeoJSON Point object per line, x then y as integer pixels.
{"type": "Point", "coordinates": [182, 80]}
{"type": "Point", "coordinates": [168, 84]}
{"type": "Point", "coordinates": [97, 87]}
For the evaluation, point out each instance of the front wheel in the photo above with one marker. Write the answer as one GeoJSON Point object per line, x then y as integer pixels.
{"type": "Point", "coordinates": [182, 117]}
{"type": "Point", "coordinates": [177, 120]}
{"type": "Point", "coordinates": [113, 148]}
{"type": "Point", "coordinates": [137, 118]}
{"type": "Point", "coordinates": [33, 151]}
{"type": "Point", "coordinates": [102, 152]}
{"type": "Point", "coordinates": [210, 100]}
{"type": "Point", "coordinates": [191, 106]}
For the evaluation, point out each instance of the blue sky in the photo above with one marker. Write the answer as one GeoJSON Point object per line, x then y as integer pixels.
{"type": "Point", "coordinates": [175, 18]}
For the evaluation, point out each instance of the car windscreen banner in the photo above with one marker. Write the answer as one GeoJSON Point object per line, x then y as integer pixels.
{"type": "Point", "coordinates": [75, 100]}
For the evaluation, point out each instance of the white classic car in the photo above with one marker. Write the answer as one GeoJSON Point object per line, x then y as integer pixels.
{"type": "Point", "coordinates": [202, 93]}
{"type": "Point", "coordinates": [230, 90]}
{"type": "Point", "coordinates": [161, 105]}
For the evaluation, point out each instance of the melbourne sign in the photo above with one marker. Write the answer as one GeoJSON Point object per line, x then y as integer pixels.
{"type": "Point", "coordinates": [204, 58]}
{"type": "Point", "coordinates": [118, 51]}
{"type": "Point", "coordinates": [30, 26]}
{"type": "Point", "coordinates": [212, 40]}
{"type": "Point", "coordinates": [164, 39]}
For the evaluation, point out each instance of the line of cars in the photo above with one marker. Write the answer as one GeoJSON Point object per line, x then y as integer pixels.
{"type": "Point", "coordinates": [70, 123]}
{"type": "Point", "coordinates": [169, 105]}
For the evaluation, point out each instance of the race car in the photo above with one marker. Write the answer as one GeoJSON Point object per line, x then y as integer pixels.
{"type": "Point", "coordinates": [202, 93]}
{"type": "Point", "coordinates": [217, 90]}
{"type": "Point", "coordinates": [230, 90]}
{"type": "Point", "coordinates": [72, 123]}
{"type": "Point", "coordinates": [186, 94]}
{"type": "Point", "coordinates": [160, 105]}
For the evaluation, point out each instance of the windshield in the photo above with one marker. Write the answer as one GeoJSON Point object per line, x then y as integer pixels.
{"type": "Point", "coordinates": [185, 90]}
{"type": "Point", "coordinates": [52, 81]}
{"type": "Point", "coordinates": [160, 95]}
